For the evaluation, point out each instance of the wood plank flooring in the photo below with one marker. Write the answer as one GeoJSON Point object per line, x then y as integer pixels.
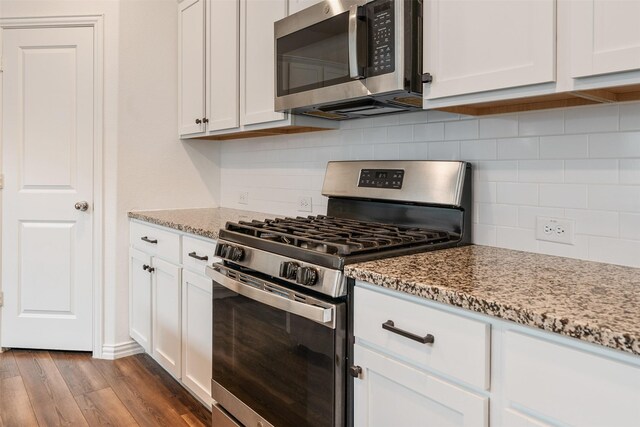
{"type": "Point", "coordinates": [55, 388]}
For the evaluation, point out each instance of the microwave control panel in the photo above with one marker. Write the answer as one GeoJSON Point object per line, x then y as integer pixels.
{"type": "Point", "coordinates": [381, 37]}
{"type": "Point", "coordinates": [381, 178]}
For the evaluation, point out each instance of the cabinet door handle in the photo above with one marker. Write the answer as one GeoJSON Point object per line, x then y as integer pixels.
{"type": "Point", "coordinates": [390, 326]}
{"type": "Point", "coordinates": [355, 371]}
{"type": "Point", "coordinates": [148, 240]}
{"type": "Point", "coordinates": [198, 121]}
{"type": "Point", "coordinates": [198, 257]}
{"type": "Point", "coordinates": [151, 269]}
{"type": "Point", "coordinates": [205, 120]}
{"type": "Point", "coordinates": [145, 267]}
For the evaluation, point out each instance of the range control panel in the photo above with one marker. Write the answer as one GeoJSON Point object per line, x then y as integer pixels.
{"type": "Point", "coordinates": [381, 38]}
{"type": "Point", "coordinates": [381, 178]}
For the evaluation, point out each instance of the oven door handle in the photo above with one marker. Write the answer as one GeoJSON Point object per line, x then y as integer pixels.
{"type": "Point", "coordinates": [355, 71]}
{"type": "Point", "coordinates": [321, 315]}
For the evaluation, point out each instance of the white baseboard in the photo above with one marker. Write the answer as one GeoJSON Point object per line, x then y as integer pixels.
{"type": "Point", "coordinates": [116, 351]}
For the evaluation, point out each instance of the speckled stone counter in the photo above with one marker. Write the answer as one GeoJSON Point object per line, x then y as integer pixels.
{"type": "Point", "coordinates": [204, 222]}
{"type": "Point", "coordinates": [595, 302]}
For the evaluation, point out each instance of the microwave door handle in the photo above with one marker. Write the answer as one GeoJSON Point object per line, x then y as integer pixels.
{"type": "Point", "coordinates": [321, 315]}
{"type": "Point", "coordinates": [355, 72]}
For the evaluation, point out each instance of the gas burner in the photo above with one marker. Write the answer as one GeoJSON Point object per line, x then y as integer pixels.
{"type": "Point", "coordinates": [337, 236]}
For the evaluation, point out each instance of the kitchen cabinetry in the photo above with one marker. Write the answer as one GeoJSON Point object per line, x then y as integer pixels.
{"type": "Point", "coordinates": [466, 55]}
{"type": "Point", "coordinates": [170, 302]}
{"type": "Point", "coordinates": [538, 378]}
{"type": "Point", "coordinates": [226, 63]}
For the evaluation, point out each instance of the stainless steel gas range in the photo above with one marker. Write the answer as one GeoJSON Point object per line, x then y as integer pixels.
{"type": "Point", "coordinates": [281, 304]}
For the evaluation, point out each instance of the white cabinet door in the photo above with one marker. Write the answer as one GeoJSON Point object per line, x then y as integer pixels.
{"type": "Point", "coordinates": [605, 36]}
{"type": "Point", "coordinates": [140, 298]}
{"type": "Point", "coordinates": [257, 90]}
{"type": "Point", "coordinates": [191, 71]}
{"type": "Point", "coordinates": [474, 46]}
{"type": "Point", "coordinates": [390, 393]}
{"type": "Point", "coordinates": [223, 63]}
{"type": "Point", "coordinates": [298, 5]}
{"type": "Point", "coordinates": [166, 294]}
{"type": "Point", "coordinates": [197, 318]}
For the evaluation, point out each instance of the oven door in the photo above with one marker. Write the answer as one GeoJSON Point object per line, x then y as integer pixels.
{"type": "Point", "coordinates": [320, 55]}
{"type": "Point", "coordinates": [278, 355]}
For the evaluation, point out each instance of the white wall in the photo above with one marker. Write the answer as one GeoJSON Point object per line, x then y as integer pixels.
{"type": "Point", "coordinates": [581, 163]}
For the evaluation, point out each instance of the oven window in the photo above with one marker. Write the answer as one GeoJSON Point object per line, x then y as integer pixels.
{"type": "Point", "coordinates": [281, 365]}
{"type": "Point", "coordinates": [314, 57]}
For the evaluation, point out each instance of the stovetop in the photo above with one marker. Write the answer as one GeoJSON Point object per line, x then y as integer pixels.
{"type": "Point", "coordinates": [337, 236]}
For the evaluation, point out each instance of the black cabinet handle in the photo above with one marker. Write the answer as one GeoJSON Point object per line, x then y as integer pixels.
{"type": "Point", "coordinates": [390, 326]}
{"type": "Point", "coordinates": [145, 267]}
{"type": "Point", "coordinates": [198, 121]}
{"type": "Point", "coordinates": [151, 269]}
{"type": "Point", "coordinates": [198, 257]}
{"type": "Point", "coordinates": [427, 78]}
{"type": "Point", "coordinates": [355, 371]}
{"type": "Point", "coordinates": [148, 240]}
{"type": "Point", "coordinates": [205, 120]}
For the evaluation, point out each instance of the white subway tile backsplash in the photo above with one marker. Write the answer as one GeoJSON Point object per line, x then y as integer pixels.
{"type": "Point", "coordinates": [630, 116]}
{"type": "Point", "coordinates": [494, 214]}
{"type": "Point", "coordinates": [540, 171]}
{"type": "Point", "coordinates": [564, 147]}
{"type": "Point", "coordinates": [464, 129]}
{"type": "Point", "coordinates": [614, 145]}
{"type": "Point", "coordinates": [563, 195]}
{"type": "Point", "coordinates": [630, 171]}
{"type": "Point", "coordinates": [518, 148]}
{"type": "Point", "coordinates": [591, 119]}
{"type": "Point", "coordinates": [517, 194]}
{"type": "Point", "coordinates": [428, 132]}
{"type": "Point", "coordinates": [565, 163]}
{"type": "Point", "coordinates": [623, 198]}
{"type": "Point", "coordinates": [444, 150]}
{"type": "Point", "coordinates": [591, 171]}
{"type": "Point", "coordinates": [484, 149]}
{"type": "Point", "coordinates": [538, 123]}
{"type": "Point", "coordinates": [499, 126]}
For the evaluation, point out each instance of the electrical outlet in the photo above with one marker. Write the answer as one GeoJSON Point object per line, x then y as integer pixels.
{"type": "Point", "coordinates": [243, 197]}
{"type": "Point", "coordinates": [304, 204]}
{"type": "Point", "coordinates": [559, 230]}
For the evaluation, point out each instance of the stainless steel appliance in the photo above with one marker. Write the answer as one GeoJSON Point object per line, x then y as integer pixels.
{"type": "Point", "coordinates": [342, 59]}
{"type": "Point", "coordinates": [281, 303]}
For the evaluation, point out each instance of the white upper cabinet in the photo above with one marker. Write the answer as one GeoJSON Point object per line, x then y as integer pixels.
{"type": "Point", "coordinates": [257, 59]}
{"type": "Point", "coordinates": [474, 46]}
{"type": "Point", "coordinates": [298, 5]}
{"type": "Point", "coordinates": [191, 76]}
{"type": "Point", "coordinates": [223, 65]}
{"type": "Point", "coordinates": [605, 36]}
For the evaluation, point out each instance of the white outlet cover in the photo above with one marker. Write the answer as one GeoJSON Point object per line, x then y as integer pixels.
{"type": "Point", "coordinates": [304, 204]}
{"type": "Point", "coordinates": [243, 197]}
{"type": "Point", "coordinates": [557, 230]}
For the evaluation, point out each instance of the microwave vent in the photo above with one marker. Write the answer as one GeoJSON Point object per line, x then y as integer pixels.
{"type": "Point", "coordinates": [325, 115]}
{"type": "Point", "coordinates": [412, 101]}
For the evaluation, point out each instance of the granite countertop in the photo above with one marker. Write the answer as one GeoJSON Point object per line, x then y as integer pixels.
{"type": "Point", "coordinates": [205, 222]}
{"type": "Point", "coordinates": [594, 302]}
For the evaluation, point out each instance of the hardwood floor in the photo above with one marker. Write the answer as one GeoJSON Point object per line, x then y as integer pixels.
{"type": "Point", "coordinates": [55, 388]}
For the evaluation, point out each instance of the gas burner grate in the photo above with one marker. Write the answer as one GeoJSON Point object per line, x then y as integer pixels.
{"type": "Point", "coordinates": [337, 236]}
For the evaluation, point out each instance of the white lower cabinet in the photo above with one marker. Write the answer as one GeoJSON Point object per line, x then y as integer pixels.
{"type": "Point", "coordinates": [170, 302]}
{"type": "Point", "coordinates": [197, 318]}
{"type": "Point", "coordinates": [391, 393]}
{"type": "Point", "coordinates": [165, 289]}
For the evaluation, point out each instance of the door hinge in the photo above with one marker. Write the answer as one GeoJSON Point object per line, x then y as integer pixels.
{"type": "Point", "coordinates": [1, 181]}
{"type": "Point", "coordinates": [1, 298]}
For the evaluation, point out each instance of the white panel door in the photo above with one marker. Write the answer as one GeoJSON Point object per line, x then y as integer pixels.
{"type": "Point", "coordinates": [257, 60]}
{"type": "Point", "coordinates": [166, 331]}
{"type": "Point", "coordinates": [191, 67]}
{"type": "Point", "coordinates": [140, 298]}
{"type": "Point", "coordinates": [197, 318]}
{"type": "Point", "coordinates": [605, 36]}
{"type": "Point", "coordinates": [47, 256]}
{"type": "Point", "coordinates": [480, 45]}
{"type": "Point", "coordinates": [224, 65]}
{"type": "Point", "coordinates": [390, 393]}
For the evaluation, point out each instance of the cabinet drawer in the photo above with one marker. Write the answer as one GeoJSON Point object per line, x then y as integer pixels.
{"type": "Point", "coordinates": [193, 250]}
{"type": "Point", "coordinates": [460, 346]}
{"type": "Point", "coordinates": [568, 385]}
{"type": "Point", "coordinates": [155, 241]}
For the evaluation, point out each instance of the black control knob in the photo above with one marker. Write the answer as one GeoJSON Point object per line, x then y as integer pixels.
{"type": "Point", "coordinates": [289, 270]}
{"type": "Point", "coordinates": [232, 253]}
{"type": "Point", "coordinates": [307, 276]}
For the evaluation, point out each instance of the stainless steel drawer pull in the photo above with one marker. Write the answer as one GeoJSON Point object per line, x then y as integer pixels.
{"type": "Point", "coordinates": [198, 257]}
{"type": "Point", "coordinates": [390, 326]}
{"type": "Point", "coordinates": [148, 240]}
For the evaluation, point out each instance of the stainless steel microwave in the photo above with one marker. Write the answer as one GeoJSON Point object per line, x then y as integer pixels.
{"type": "Point", "coordinates": [342, 59]}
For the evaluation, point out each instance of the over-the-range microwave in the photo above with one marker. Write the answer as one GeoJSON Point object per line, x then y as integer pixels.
{"type": "Point", "coordinates": [342, 59]}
